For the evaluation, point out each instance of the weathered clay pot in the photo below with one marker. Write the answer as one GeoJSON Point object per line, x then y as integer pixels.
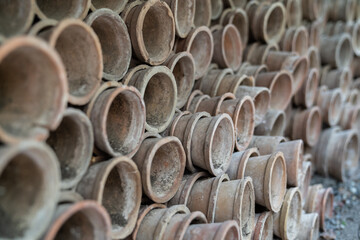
{"type": "Point", "coordinates": [261, 99]}
{"type": "Point", "coordinates": [203, 13]}
{"type": "Point", "coordinates": [268, 21]}
{"type": "Point", "coordinates": [41, 26]}
{"type": "Point", "coordinates": [16, 17]}
{"type": "Point", "coordinates": [256, 53]}
{"type": "Point", "coordinates": [313, 9]}
{"type": "Point", "coordinates": [350, 117]}
{"type": "Point", "coordinates": [115, 184]}
{"type": "Point", "coordinates": [74, 153]}
{"type": "Point", "coordinates": [237, 17]}
{"type": "Point", "coordinates": [264, 226]}
{"type": "Point", "coordinates": [208, 141]}
{"type": "Point", "coordinates": [217, 7]}
{"type": "Point", "coordinates": [200, 44]}
{"type": "Point", "coordinates": [287, 221]}
{"type": "Point", "coordinates": [152, 30]}
{"type": "Point", "coordinates": [115, 41]}
{"type": "Point", "coordinates": [236, 201]}
{"type": "Point", "coordinates": [329, 102]}
{"type": "Point", "coordinates": [83, 220]}
{"type": "Point", "coordinates": [266, 144]}
{"type": "Point", "coordinates": [30, 177]}
{"type": "Point", "coordinates": [157, 86]}
{"type": "Point", "coordinates": [227, 46]}
{"type": "Point", "coordinates": [61, 10]}
{"type": "Point", "coordinates": [314, 58]}
{"type": "Point", "coordinates": [306, 95]}
{"type": "Point", "coordinates": [338, 78]}
{"type": "Point", "coordinates": [184, 12]}
{"type": "Point", "coordinates": [235, 170]}
{"type": "Point", "coordinates": [294, 13]}
{"type": "Point", "coordinates": [114, 135]}
{"type": "Point", "coordinates": [305, 178]}
{"type": "Point", "coordinates": [80, 51]}
{"type": "Point", "coordinates": [307, 125]}
{"type": "Point", "coordinates": [354, 97]}
{"type": "Point", "coordinates": [280, 85]}
{"type": "Point", "coordinates": [228, 230]}
{"type": "Point", "coordinates": [269, 178]}
{"type": "Point", "coordinates": [161, 162]}
{"type": "Point", "coordinates": [336, 50]}
{"type": "Point", "coordinates": [315, 30]}
{"type": "Point", "coordinates": [182, 66]}
{"type": "Point", "coordinates": [33, 89]}
{"type": "Point", "coordinates": [309, 227]}
{"type": "Point", "coordinates": [273, 124]}
{"type": "Point", "coordinates": [252, 70]}
{"type": "Point", "coordinates": [295, 38]}
{"type": "Point", "coordinates": [320, 200]}
{"type": "Point", "coordinates": [236, 4]}
{"type": "Point", "coordinates": [297, 66]}
{"type": "Point", "coordinates": [343, 10]}
{"type": "Point", "coordinates": [115, 5]}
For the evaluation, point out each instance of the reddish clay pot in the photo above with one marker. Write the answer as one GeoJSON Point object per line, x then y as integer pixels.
{"type": "Point", "coordinates": [329, 102]}
{"type": "Point", "coordinates": [61, 10]}
{"type": "Point", "coordinates": [336, 50]}
{"type": "Point", "coordinates": [194, 100]}
{"type": "Point", "coordinates": [228, 230]}
{"type": "Point", "coordinates": [256, 53]}
{"type": "Point", "coordinates": [269, 178]}
{"type": "Point", "coordinates": [287, 221]}
{"type": "Point", "coordinates": [306, 95]}
{"type": "Point", "coordinates": [264, 226]}
{"type": "Point", "coordinates": [16, 17]}
{"type": "Point", "coordinates": [182, 66]}
{"type": "Point", "coordinates": [152, 30]}
{"type": "Point", "coordinates": [235, 171]}
{"type": "Point", "coordinates": [314, 58]}
{"type": "Point", "coordinates": [320, 200]}
{"type": "Point", "coordinates": [305, 178]}
{"type": "Point", "coordinates": [113, 135]}
{"type": "Point", "coordinates": [27, 64]}
{"type": "Point", "coordinates": [159, 159]}
{"type": "Point", "coordinates": [84, 220]}
{"type": "Point", "coordinates": [294, 13]}
{"type": "Point", "coordinates": [115, 5]}
{"type": "Point", "coordinates": [236, 201]}
{"type": "Point", "coordinates": [338, 78]}
{"type": "Point", "coordinates": [266, 144]}
{"type": "Point", "coordinates": [74, 153]}
{"type": "Point", "coordinates": [80, 51]}
{"type": "Point", "coordinates": [313, 9]}
{"type": "Point", "coordinates": [295, 39]}
{"type": "Point", "coordinates": [217, 7]}
{"type": "Point", "coordinates": [116, 185]}
{"type": "Point", "coordinates": [203, 13]}
{"type": "Point", "coordinates": [268, 21]}
{"type": "Point", "coordinates": [280, 85]}
{"type": "Point", "coordinates": [237, 17]}
{"type": "Point", "coordinates": [261, 99]}
{"type": "Point", "coordinates": [252, 70]}
{"type": "Point", "coordinates": [309, 227]}
{"type": "Point", "coordinates": [115, 41]}
{"type": "Point", "coordinates": [227, 46]}
{"type": "Point", "coordinates": [342, 10]}
{"type": "Point", "coordinates": [30, 177]}
{"type": "Point", "coordinates": [184, 12]}
{"type": "Point", "coordinates": [157, 86]}
{"type": "Point", "coordinates": [350, 117]}
{"type": "Point", "coordinates": [307, 125]}
{"type": "Point", "coordinates": [273, 124]}
{"type": "Point", "coordinates": [200, 44]}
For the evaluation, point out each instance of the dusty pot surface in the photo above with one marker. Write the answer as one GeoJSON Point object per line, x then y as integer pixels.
{"type": "Point", "coordinates": [309, 226]}
{"type": "Point", "coordinates": [264, 226]}
{"type": "Point", "coordinates": [306, 95]}
{"type": "Point", "coordinates": [203, 13]}
{"type": "Point", "coordinates": [184, 13]}
{"type": "Point", "coordinates": [228, 230]}
{"type": "Point", "coordinates": [61, 10]}
{"type": "Point", "coordinates": [239, 18]}
{"type": "Point", "coordinates": [273, 124]}
{"type": "Point", "coordinates": [235, 170]}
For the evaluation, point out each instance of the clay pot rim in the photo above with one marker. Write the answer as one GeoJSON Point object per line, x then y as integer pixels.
{"type": "Point", "coordinates": [315, 110]}
{"type": "Point", "coordinates": [271, 47]}
{"type": "Point", "coordinates": [260, 224]}
{"type": "Point", "coordinates": [212, 129]}
{"type": "Point", "coordinates": [231, 12]}
{"type": "Point", "coordinates": [37, 27]}
{"type": "Point", "coordinates": [296, 61]}
{"type": "Point", "coordinates": [188, 185]}
{"type": "Point", "coordinates": [221, 73]}
{"type": "Point", "coordinates": [128, 7]}
{"type": "Point", "coordinates": [351, 135]}
{"type": "Point", "coordinates": [298, 154]}
{"type": "Point", "coordinates": [269, 11]}
{"type": "Point", "coordinates": [306, 174]}
{"type": "Point", "coordinates": [278, 75]}
{"type": "Point", "coordinates": [60, 103]}
{"type": "Point", "coordinates": [51, 176]}
{"type": "Point", "coordinates": [42, 15]}
{"type": "Point", "coordinates": [314, 50]}
{"type": "Point", "coordinates": [314, 223]}
{"type": "Point", "coordinates": [298, 32]}
{"type": "Point", "coordinates": [215, 187]}
{"type": "Point", "coordinates": [244, 159]}
{"type": "Point", "coordinates": [310, 204]}
{"type": "Point", "coordinates": [238, 108]}
{"type": "Point", "coordinates": [355, 114]}
{"type": "Point", "coordinates": [346, 78]}
{"type": "Point", "coordinates": [355, 32]}
{"type": "Point", "coordinates": [126, 79]}
{"type": "Point", "coordinates": [242, 80]}
{"type": "Point", "coordinates": [78, 208]}
{"type": "Point", "coordinates": [336, 94]}
{"type": "Point", "coordinates": [191, 98]}
{"type": "Point", "coordinates": [262, 68]}
{"type": "Point", "coordinates": [220, 100]}
{"type": "Point", "coordinates": [265, 92]}
{"type": "Point", "coordinates": [146, 181]}
{"type": "Point", "coordinates": [142, 213]}
{"type": "Point", "coordinates": [83, 123]}
{"type": "Point", "coordinates": [99, 186]}
{"type": "Point", "coordinates": [54, 36]}
{"type": "Point", "coordinates": [186, 222]}
{"type": "Point", "coordinates": [69, 196]}
{"type": "Point", "coordinates": [115, 20]}
{"type": "Point", "coordinates": [118, 89]}
{"type": "Point", "coordinates": [328, 194]}
{"type": "Point", "coordinates": [342, 39]}
{"type": "Point", "coordinates": [313, 75]}
{"type": "Point", "coordinates": [118, 10]}
{"type": "Point", "coordinates": [286, 208]}
{"type": "Point", "coordinates": [225, 228]}
{"type": "Point", "coordinates": [277, 156]}
{"type": "Point", "coordinates": [174, 7]}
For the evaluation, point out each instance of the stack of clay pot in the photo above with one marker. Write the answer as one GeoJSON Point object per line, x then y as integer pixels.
{"type": "Point", "coordinates": [175, 119]}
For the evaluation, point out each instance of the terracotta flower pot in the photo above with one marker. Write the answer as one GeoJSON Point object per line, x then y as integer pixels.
{"type": "Point", "coordinates": [350, 117]}
{"type": "Point", "coordinates": [354, 97]}
{"type": "Point", "coordinates": [315, 30]}
{"type": "Point", "coordinates": [203, 13]}
{"type": "Point", "coordinates": [74, 153]}
{"type": "Point", "coordinates": [305, 178]}
{"type": "Point", "coordinates": [314, 58]}
{"type": "Point", "coordinates": [294, 13]}
{"type": "Point", "coordinates": [306, 95]}
{"type": "Point", "coordinates": [235, 169]}
{"type": "Point", "coordinates": [30, 177]}
{"type": "Point", "coordinates": [61, 10]}
{"type": "Point", "coordinates": [338, 78]}
{"type": "Point", "coordinates": [116, 185]}
{"type": "Point", "coordinates": [313, 9]}
{"type": "Point", "coordinates": [161, 162]}
{"type": "Point", "coordinates": [252, 70]}
{"type": "Point", "coordinates": [115, 5]}
{"type": "Point", "coordinates": [266, 144]}
{"type": "Point", "coordinates": [342, 10]}
{"type": "Point", "coordinates": [264, 226]}
{"type": "Point", "coordinates": [184, 13]}
{"type": "Point", "coordinates": [309, 227]}
{"type": "Point", "coordinates": [329, 102]}
{"type": "Point", "coordinates": [296, 38]}
{"type": "Point", "coordinates": [256, 53]}
{"type": "Point", "coordinates": [273, 124]}
{"type": "Point", "coordinates": [237, 17]}
{"type": "Point", "coordinates": [336, 50]}
{"type": "Point", "coordinates": [215, 231]}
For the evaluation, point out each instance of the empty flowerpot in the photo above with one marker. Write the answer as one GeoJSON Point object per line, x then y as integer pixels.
{"type": "Point", "coordinates": [264, 226]}
{"type": "Point", "coordinates": [239, 18]}
{"type": "Point", "coordinates": [184, 13]}
{"type": "Point", "coordinates": [305, 178]}
{"type": "Point", "coordinates": [203, 13]}
{"type": "Point", "coordinates": [329, 102]}
{"type": "Point", "coordinates": [266, 144]}
{"type": "Point", "coordinates": [336, 50]}
{"type": "Point", "coordinates": [314, 58]}
{"type": "Point", "coordinates": [256, 53]}
{"type": "Point", "coordinates": [217, 7]}
{"type": "Point", "coordinates": [313, 9]}
{"type": "Point", "coordinates": [306, 95]}
{"type": "Point", "coordinates": [228, 230]}
{"type": "Point", "coordinates": [338, 78]}
{"type": "Point", "coordinates": [295, 38]}
{"type": "Point", "coordinates": [252, 70]}
{"type": "Point", "coordinates": [350, 117]}
{"type": "Point", "coordinates": [342, 10]}
{"type": "Point", "coordinates": [115, 5]}
{"type": "Point", "coordinates": [235, 170]}
{"type": "Point", "coordinates": [273, 124]}
{"type": "Point", "coordinates": [309, 227]}
{"type": "Point", "coordinates": [61, 10]}
{"type": "Point", "coordinates": [294, 13]}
